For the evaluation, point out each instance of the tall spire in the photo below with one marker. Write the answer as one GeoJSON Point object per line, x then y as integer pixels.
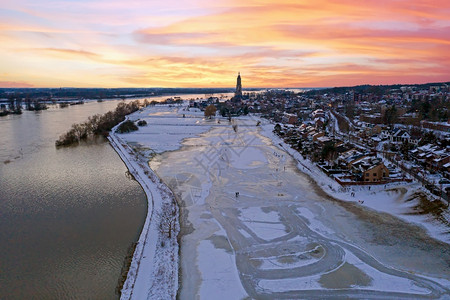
{"type": "Point", "coordinates": [238, 93]}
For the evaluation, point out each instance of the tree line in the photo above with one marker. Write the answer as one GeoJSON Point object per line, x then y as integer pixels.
{"type": "Point", "coordinates": [99, 124]}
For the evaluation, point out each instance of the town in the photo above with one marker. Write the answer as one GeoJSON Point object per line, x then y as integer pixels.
{"type": "Point", "coordinates": [366, 135]}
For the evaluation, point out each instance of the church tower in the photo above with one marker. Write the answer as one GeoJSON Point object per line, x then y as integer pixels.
{"type": "Point", "coordinates": [238, 93]}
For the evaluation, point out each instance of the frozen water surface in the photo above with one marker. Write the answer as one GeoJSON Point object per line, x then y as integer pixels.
{"type": "Point", "coordinates": [281, 236]}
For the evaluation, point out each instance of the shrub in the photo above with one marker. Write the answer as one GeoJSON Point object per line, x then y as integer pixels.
{"type": "Point", "coordinates": [127, 126]}
{"type": "Point", "coordinates": [210, 111]}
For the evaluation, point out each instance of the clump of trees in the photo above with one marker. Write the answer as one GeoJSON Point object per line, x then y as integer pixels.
{"type": "Point", "coordinates": [433, 109]}
{"type": "Point", "coordinates": [210, 111]}
{"type": "Point", "coordinates": [97, 124]}
{"type": "Point", "coordinates": [37, 106]}
{"type": "Point", "coordinates": [277, 128]}
{"type": "Point", "coordinates": [127, 126]}
{"type": "Point", "coordinates": [224, 111]}
{"type": "Point", "coordinates": [142, 123]}
{"type": "Point", "coordinates": [428, 138]}
{"type": "Point", "coordinates": [329, 152]}
{"type": "Point", "coordinates": [390, 115]}
{"type": "Point", "coordinates": [15, 106]}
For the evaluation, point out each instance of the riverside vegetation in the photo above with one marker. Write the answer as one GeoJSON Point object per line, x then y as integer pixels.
{"type": "Point", "coordinates": [99, 124]}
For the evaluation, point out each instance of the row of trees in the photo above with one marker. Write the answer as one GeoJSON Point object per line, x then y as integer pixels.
{"type": "Point", "coordinates": [434, 110]}
{"type": "Point", "coordinates": [15, 105]}
{"type": "Point", "coordinates": [98, 124]}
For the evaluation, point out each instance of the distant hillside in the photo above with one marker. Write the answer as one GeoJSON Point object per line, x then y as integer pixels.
{"type": "Point", "coordinates": [374, 89]}
{"type": "Point", "coordinates": [102, 93]}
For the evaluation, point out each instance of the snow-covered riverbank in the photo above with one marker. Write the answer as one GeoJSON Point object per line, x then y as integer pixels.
{"type": "Point", "coordinates": [153, 273]}
{"type": "Point", "coordinates": [247, 233]}
{"type": "Point", "coordinates": [397, 198]}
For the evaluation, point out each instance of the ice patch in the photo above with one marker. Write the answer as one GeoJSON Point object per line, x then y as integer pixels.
{"type": "Point", "coordinates": [220, 277]}
{"type": "Point", "coordinates": [258, 214]}
{"type": "Point", "coordinates": [267, 231]}
{"type": "Point", "coordinates": [249, 158]}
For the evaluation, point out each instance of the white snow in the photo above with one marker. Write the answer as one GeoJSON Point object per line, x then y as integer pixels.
{"type": "Point", "coordinates": [153, 273]}
{"type": "Point", "coordinates": [378, 281]}
{"type": "Point", "coordinates": [266, 226]}
{"type": "Point", "coordinates": [290, 284]}
{"type": "Point", "coordinates": [250, 158]}
{"type": "Point", "coordinates": [313, 223]}
{"type": "Point", "coordinates": [258, 214]}
{"type": "Point", "coordinates": [154, 268]}
{"type": "Point", "coordinates": [220, 277]}
{"type": "Point", "coordinates": [166, 127]}
{"type": "Point", "coordinates": [380, 198]}
{"type": "Point", "coordinates": [385, 282]}
{"type": "Point", "coordinates": [165, 131]}
{"type": "Point", "coordinates": [267, 231]}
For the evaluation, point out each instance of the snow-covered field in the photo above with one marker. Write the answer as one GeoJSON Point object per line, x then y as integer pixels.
{"type": "Point", "coordinates": [166, 127]}
{"type": "Point", "coordinates": [253, 226]}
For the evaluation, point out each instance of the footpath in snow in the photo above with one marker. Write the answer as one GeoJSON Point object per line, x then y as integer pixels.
{"type": "Point", "coordinates": [153, 273]}
{"type": "Point", "coordinates": [154, 268]}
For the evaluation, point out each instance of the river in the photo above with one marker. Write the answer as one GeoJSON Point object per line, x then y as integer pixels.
{"type": "Point", "coordinates": [67, 216]}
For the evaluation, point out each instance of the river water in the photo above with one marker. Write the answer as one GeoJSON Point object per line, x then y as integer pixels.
{"type": "Point", "coordinates": [67, 216]}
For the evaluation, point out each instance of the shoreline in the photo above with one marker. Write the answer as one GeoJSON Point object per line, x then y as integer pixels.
{"type": "Point", "coordinates": [154, 270]}
{"type": "Point", "coordinates": [146, 267]}
{"type": "Point", "coordinates": [149, 243]}
{"type": "Point", "coordinates": [333, 189]}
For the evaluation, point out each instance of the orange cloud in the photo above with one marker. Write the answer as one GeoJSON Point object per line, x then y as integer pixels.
{"type": "Point", "coordinates": [14, 84]}
{"type": "Point", "coordinates": [199, 43]}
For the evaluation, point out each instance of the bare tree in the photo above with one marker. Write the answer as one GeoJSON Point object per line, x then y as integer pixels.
{"type": "Point", "coordinates": [168, 218]}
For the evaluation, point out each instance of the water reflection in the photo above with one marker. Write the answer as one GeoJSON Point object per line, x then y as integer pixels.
{"type": "Point", "coordinates": [67, 216]}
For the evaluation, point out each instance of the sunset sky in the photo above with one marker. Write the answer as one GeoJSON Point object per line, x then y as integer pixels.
{"type": "Point", "coordinates": [204, 43]}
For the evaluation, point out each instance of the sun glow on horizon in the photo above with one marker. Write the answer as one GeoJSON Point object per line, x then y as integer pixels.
{"type": "Point", "coordinates": [196, 43]}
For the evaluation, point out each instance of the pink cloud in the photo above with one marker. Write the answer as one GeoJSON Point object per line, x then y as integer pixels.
{"type": "Point", "coordinates": [199, 42]}
{"type": "Point", "coordinates": [15, 84]}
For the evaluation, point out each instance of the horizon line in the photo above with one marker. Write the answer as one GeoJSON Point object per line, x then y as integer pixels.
{"type": "Point", "coordinates": [231, 88]}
